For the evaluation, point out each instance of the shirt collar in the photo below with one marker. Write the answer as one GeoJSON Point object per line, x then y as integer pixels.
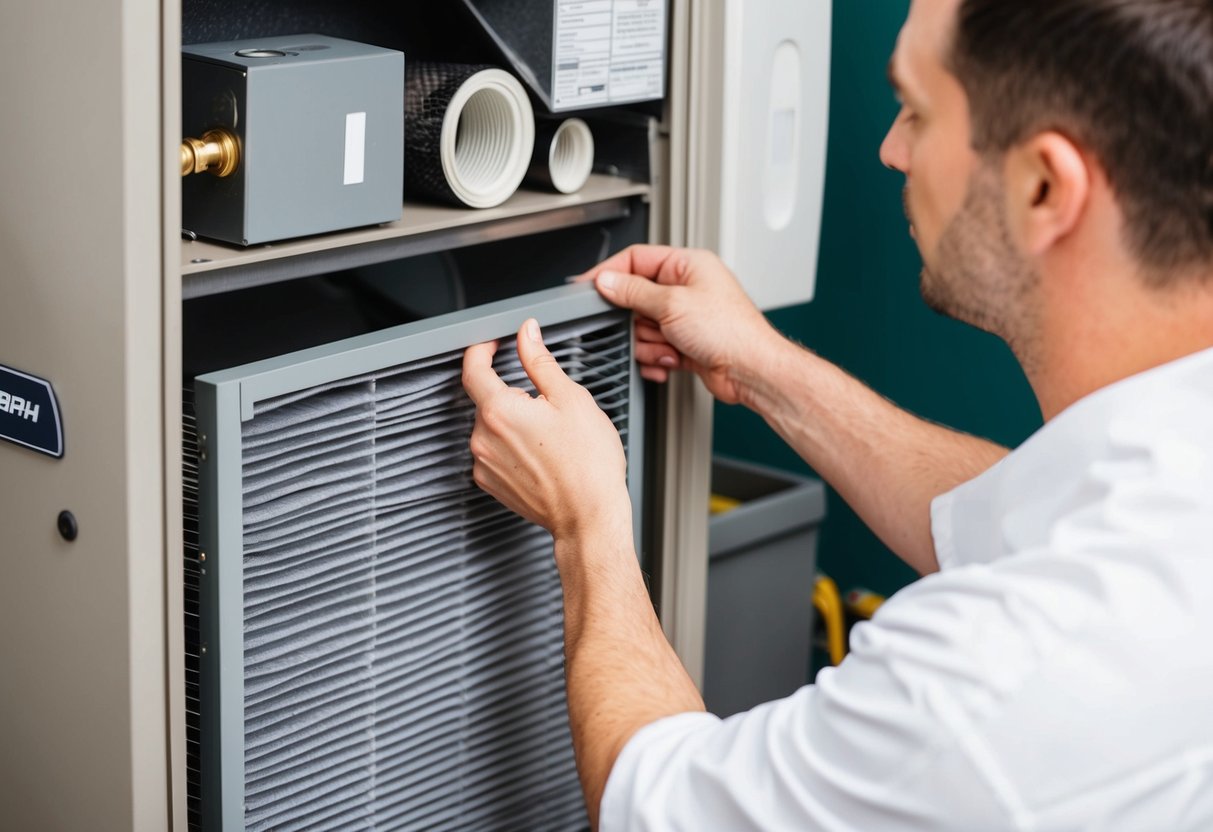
{"type": "Point", "coordinates": [1126, 457]}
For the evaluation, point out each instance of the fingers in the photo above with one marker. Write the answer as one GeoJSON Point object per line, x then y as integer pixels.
{"type": "Point", "coordinates": [631, 292]}
{"type": "Point", "coordinates": [659, 355]}
{"type": "Point", "coordinates": [480, 380]}
{"type": "Point", "coordinates": [648, 331]}
{"type": "Point", "coordinates": [540, 365]}
{"type": "Point", "coordinates": [656, 374]}
{"type": "Point", "coordinates": [644, 260]}
{"type": "Point", "coordinates": [652, 352]}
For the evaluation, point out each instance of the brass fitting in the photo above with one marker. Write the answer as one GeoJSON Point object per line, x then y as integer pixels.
{"type": "Point", "coordinates": [217, 153]}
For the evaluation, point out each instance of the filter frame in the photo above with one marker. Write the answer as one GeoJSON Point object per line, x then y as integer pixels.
{"type": "Point", "coordinates": [226, 399]}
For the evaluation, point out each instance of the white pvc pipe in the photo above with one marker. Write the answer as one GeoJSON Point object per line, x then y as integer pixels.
{"type": "Point", "coordinates": [571, 156]}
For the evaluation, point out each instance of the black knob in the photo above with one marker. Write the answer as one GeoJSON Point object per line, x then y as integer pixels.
{"type": "Point", "coordinates": [68, 526]}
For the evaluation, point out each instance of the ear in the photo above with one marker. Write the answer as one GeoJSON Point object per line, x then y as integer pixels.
{"type": "Point", "coordinates": [1049, 188]}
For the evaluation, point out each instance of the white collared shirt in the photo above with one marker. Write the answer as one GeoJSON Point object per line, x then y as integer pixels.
{"type": "Point", "coordinates": [1056, 674]}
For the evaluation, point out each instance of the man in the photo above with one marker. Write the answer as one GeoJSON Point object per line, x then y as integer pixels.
{"type": "Point", "coordinates": [1054, 670]}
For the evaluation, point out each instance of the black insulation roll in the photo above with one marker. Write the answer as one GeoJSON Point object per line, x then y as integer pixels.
{"type": "Point", "coordinates": [469, 131]}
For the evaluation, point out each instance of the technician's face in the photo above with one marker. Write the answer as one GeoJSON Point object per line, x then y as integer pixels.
{"type": "Point", "coordinates": [954, 200]}
{"type": "Point", "coordinates": [929, 140]}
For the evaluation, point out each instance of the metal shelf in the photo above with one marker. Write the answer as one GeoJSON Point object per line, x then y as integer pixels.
{"type": "Point", "coordinates": [212, 268]}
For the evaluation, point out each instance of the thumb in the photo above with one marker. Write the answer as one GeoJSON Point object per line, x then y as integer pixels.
{"type": "Point", "coordinates": [637, 293]}
{"type": "Point", "coordinates": [540, 365]}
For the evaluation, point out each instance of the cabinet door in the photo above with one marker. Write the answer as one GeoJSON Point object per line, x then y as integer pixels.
{"type": "Point", "coordinates": [83, 715]}
{"type": "Point", "coordinates": [380, 643]}
{"type": "Point", "coordinates": [758, 99]}
{"type": "Point", "coordinates": [745, 170]}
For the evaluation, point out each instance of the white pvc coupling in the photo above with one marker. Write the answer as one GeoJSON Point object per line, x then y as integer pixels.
{"type": "Point", "coordinates": [488, 135]}
{"type": "Point", "coordinates": [571, 156]}
{"type": "Point", "coordinates": [564, 155]}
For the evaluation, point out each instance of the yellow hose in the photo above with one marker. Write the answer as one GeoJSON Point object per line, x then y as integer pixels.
{"type": "Point", "coordinates": [719, 504]}
{"type": "Point", "coordinates": [863, 603]}
{"type": "Point", "coordinates": [829, 606]}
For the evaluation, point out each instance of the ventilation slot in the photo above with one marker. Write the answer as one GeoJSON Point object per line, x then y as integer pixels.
{"type": "Point", "coordinates": [403, 632]}
{"type": "Point", "coordinates": [189, 456]}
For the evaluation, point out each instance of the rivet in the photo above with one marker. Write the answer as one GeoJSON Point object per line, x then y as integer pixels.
{"type": "Point", "coordinates": [202, 557]}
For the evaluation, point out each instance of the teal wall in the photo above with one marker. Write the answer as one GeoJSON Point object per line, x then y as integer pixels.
{"type": "Point", "coordinates": [868, 316]}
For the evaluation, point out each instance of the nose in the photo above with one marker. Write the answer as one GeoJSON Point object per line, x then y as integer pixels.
{"type": "Point", "coordinates": [894, 151]}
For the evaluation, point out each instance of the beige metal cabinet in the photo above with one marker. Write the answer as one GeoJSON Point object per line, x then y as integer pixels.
{"type": "Point", "coordinates": [92, 285]}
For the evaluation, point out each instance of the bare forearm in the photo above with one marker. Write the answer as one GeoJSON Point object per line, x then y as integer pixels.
{"type": "Point", "coordinates": [885, 462]}
{"type": "Point", "coordinates": [621, 672]}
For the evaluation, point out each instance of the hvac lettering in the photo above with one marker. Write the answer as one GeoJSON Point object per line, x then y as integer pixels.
{"type": "Point", "coordinates": [19, 407]}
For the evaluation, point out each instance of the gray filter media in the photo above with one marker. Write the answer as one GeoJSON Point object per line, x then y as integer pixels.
{"type": "Point", "coordinates": [469, 133]}
{"type": "Point", "coordinates": [402, 631]}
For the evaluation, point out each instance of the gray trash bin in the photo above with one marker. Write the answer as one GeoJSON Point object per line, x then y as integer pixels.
{"type": "Point", "coordinates": [762, 567]}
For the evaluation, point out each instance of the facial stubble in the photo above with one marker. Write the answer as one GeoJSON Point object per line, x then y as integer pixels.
{"type": "Point", "coordinates": [978, 276]}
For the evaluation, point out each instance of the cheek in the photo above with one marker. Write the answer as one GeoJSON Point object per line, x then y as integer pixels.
{"type": "Point", "coordinates": [938, 189]}
{"type": "Point", "coordinates": [922, 203]}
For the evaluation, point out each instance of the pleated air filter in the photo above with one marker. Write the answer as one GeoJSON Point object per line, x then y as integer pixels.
{"type": "Point", "coordinates": [379, 644]}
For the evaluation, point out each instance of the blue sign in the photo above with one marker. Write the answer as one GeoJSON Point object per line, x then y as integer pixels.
{"type": "Point", "coordinates": [29, 413]}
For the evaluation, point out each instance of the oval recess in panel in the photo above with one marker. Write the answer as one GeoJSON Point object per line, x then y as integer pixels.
{"type": "Point", "coordinates": [782, 176]}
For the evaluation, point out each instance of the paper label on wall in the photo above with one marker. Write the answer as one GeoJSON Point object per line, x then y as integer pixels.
{"type": "Point", "coordinates": [607, 52]}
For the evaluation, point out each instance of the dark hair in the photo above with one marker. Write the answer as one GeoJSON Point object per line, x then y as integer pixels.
{"type": "Point", "coordinates": [1131, 81]}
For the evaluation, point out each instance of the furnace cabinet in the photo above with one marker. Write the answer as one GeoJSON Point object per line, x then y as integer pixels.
{"type": "Point", "coordinates": [138, 331]}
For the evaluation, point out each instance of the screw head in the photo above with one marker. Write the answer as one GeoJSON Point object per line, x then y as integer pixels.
{"type": "Point", "coordinates": [69, 529]}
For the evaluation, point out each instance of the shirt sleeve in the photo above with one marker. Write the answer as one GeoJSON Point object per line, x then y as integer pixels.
{"type": "Point", "coordinates": [884, 741]}
{"type": "Point", "coordinates": [963, 524]}
{"type": "Point", "coordinates": [941, 531]}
